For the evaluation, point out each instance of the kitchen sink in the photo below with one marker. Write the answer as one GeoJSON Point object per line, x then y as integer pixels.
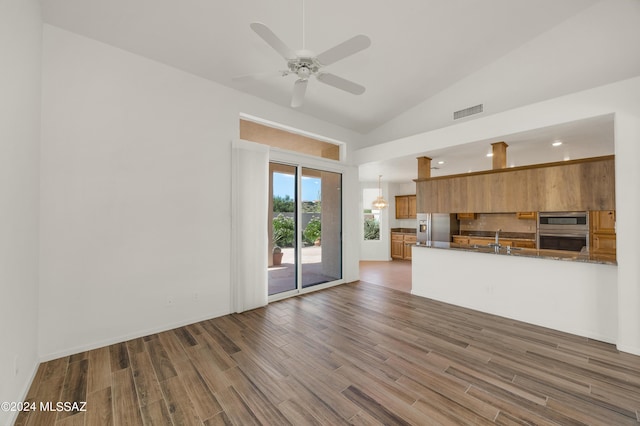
{"type": "Point", "coordinates": [489, 248]}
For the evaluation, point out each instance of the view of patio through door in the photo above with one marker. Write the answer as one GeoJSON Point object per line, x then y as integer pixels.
{"type": "Point", "coordinates": [306, 228]}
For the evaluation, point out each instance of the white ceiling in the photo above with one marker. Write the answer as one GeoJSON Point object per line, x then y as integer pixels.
{"type": "Point", "coordinates": [580, 139]}
{"type": "Point", "coordinates": [419, 47]}
{"type": "Point", "coordinates": [427, 59]}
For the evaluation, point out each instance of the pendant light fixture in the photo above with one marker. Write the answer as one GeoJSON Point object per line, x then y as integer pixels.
{"type": "Point", "coordinates": [379, 203]}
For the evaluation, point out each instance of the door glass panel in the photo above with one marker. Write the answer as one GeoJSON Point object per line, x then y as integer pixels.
{"type": "Point", "coordinates": [282, 223]}
{"type": "Point", "coordinates": [321, 251]}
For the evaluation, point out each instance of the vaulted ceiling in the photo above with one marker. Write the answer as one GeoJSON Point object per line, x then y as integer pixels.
{"type": "Point", "coordinates": [427, 59]}
{"type": "Point", "coordinates": [419, 47]}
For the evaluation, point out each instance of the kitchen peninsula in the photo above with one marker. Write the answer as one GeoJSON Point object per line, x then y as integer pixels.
{"type": "Point", "coordinates": [573, 292]}
{"type": "Point", "coordinates": [573, 295]}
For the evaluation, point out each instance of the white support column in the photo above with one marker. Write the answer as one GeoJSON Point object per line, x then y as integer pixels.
{"type": "Point", "coordinates": [627, 149]}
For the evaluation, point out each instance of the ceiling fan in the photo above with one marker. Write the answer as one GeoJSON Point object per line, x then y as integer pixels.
{"type": "Point", "coordinates": [305, 64]}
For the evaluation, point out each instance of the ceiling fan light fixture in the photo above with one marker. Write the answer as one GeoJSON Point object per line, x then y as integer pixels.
{"type": "Point", "coordinates": [304, 72]}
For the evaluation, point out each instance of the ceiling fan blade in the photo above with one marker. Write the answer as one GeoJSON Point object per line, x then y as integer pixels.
{"type": "Point", "coordinates": [299, 88]}
{"type": "Point", "coordinates": [344, 49]}
{"type": "Point", "coordinates": [258, 76]}
{"type": "Point", "coordinates": [272, 40]}
{"type": "Point", "coordinates": [341, 83]}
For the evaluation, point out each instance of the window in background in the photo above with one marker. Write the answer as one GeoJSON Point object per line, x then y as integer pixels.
{"type": "Point", "coordinates": [371, 218]}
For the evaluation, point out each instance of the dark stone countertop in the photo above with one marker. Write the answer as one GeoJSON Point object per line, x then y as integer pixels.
{"type": "Point", "coordinates": [404, 230]}
{"type": "Point", "coordinates": [505, 235]}
{"type": "Point", "coordinates": [583, 256]}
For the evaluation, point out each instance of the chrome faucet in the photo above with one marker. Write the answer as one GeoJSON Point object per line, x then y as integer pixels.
{"type": "Point", "coordinates": [496, 244]}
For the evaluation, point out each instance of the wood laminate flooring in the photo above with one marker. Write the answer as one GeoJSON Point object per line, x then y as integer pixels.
{"type": "Point", "coordinates": [394, 274]}
{"type": "Point", "coordinates": [356, 353]}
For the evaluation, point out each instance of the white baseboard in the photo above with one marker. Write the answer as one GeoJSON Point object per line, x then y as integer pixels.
{"type": "Point", "coordinates": [633, 350]}
{"type": "Point", "coordinates": [13, 415]}
{"type": "Point", "coordinates": [124, 338]}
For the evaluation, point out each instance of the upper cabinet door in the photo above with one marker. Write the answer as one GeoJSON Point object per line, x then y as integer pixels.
{"type": "Point", "coordinates": [412, 207]}
{"type": "Point", "coordinates": [402, 207]}
{"type": "Point", "coordinates": [406, 207]}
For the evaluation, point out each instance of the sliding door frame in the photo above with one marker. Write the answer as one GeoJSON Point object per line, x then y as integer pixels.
{"type": "Point", "coordinates": [301, 161]}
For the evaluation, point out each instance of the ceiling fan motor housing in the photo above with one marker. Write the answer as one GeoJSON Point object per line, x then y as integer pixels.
{"type": "Point", "coordinates": [304, 67]}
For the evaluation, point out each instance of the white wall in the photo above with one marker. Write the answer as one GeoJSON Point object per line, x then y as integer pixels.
{"type": "Point", "coordinates": [398, 188]}
{"type": "Point", "coordinates": [352, 225]}
{"type": "Point", "coordinates": [135, 228]}
{"type": "Point", "coordinates": [627, 131]}
{"type": "Point", "coordinates": [623, 100]}
{"type": "Point", "coordinates": [21, 46]}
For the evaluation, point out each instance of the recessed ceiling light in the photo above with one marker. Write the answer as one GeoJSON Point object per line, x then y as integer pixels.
{"type": "Point", "coordinates": [490, 154]}
{"type": "Point", "coordinates": [440, 162]}
{"type": "Point", "coordinates": [557, 143]}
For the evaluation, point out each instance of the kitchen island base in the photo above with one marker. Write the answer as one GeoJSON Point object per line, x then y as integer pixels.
{"type": "Point", "coordinates": [575, 297]}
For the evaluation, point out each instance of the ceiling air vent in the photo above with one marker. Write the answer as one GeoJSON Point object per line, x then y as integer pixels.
{"type": "Point", "coordinates": [467, 112]}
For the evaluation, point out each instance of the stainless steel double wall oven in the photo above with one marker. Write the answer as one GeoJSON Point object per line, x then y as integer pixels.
{"type": "Point", "coordinates": [563, 231]}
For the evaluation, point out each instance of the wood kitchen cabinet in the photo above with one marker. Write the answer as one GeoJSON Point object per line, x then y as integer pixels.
{"type": "Point", "coordinates": [526, 215]}
{"type": "Point", "coordinates": [523, 244]}
{"type": "Point", "coordinates": [603, 244]}
{"type": "Point", "coordinates": [397, 245]}
{"type": "Point", "coordinates": [465, 216]}
{"type": "Point", "coordinates": [401, 245]}
{"type": "Point", "coordinates": [460, 240]}
{"type": "Point", "coordinates": [603, 221]}
{"type": "Point", "coordinates": [406, 207]}
{"type": "Point", "coordinates": [409, 241]}
{"type": "Point", "coordinates": [413, 207]}
{"type": "Point", "coordinates": [602, 227]}
{"type": "Point", "coordinates": [479, 241]}
{"type": "Point", "coordinates": [550, 187]}
{"type": "Point", "coordinates": [483, 241]}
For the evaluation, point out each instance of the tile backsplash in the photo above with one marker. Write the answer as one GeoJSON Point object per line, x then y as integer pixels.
{"type": "Point", "coordinates": [508, 222]}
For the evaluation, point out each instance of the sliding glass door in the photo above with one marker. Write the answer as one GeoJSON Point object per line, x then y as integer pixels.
{"type": "Point", "coordinates": [283, 179]}
{"type": "Point", "coordinates": [321, 253]}
{"type": "Point", "coordinates": [306, 228]}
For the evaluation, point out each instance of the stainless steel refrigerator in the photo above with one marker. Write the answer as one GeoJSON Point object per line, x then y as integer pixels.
{"type": "Point", "coordinates": [436, 227]}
